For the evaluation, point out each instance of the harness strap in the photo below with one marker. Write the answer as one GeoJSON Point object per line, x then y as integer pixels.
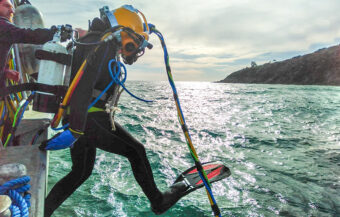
{"type": "Point", "coordinates": [65, 59]}
{"type": "Point", "coordinates": [95, 109]}
{"type": "Point", "coordinates": [97, 93]}
{"type": "Point", "coordinates": [58, 90]}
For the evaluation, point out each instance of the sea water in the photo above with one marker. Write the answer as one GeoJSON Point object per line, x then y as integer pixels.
{"type": "Point", "coordinates": [281, 143]}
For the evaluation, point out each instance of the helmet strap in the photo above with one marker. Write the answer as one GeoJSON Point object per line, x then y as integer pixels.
{"type": "Point", "coordinates": [105, 11]}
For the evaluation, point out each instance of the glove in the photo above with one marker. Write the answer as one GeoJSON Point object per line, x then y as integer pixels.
{"type": "Point", "coordinates": [62, 140]}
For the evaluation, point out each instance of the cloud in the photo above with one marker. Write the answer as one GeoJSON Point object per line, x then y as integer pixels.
{"type": "Point", "coordinates": [261, 25]}
{"type": "Point", "coordinates": [213, 38]}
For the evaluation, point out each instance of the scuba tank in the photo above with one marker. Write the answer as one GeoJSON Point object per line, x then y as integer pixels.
{"type": "Point", "coordinates": [54, 60]}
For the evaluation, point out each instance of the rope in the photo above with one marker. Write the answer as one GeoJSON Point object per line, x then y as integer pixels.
{"type": "Point", "coordinates": [19, 201]}
{"type": "Point", "coordinates": [112, 110]}
{"type": "Point", "coordinates": [17, 189]}
{"type": "Point", "coordinates": [181, 119]}
{"type": "Point", "coordinates": [15, 211]}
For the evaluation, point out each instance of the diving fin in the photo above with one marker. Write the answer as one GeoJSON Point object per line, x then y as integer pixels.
{"type": "Point", "coordinates": [215, 171]}
{"type": "Point", "coordinates": [190, 181]}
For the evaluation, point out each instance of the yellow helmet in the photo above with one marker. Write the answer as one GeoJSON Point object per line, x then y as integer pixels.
{"type": "Point", "coordinates": [129, 17]}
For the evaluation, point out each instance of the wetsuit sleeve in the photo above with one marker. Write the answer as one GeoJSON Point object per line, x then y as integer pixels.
{"type": "Point", "coordinates": [82, 95]}
{"type": "Point", "coordinates": [10, 34]}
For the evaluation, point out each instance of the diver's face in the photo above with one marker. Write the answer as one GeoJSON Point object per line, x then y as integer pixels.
{"type": "Point", "coordinates": [6, 9]}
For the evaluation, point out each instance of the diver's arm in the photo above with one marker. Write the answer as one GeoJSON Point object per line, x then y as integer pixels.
{"type": "Point", "coordinates": [10, 34]}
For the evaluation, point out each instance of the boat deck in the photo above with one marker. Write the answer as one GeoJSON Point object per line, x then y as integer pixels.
{"type": "Point", "coordinates": [35, 161]}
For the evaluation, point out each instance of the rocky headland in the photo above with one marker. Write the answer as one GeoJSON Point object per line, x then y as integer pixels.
{"type": "Point", "coordinates": [319, 68]}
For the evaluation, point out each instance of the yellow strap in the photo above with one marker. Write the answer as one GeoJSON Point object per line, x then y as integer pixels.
{"type": "Point", "coordinates": [76, 132]}
{"type": "Point", "coordinates": [95, 109]}
{"type": "Point", "coordinates": [92, 109]}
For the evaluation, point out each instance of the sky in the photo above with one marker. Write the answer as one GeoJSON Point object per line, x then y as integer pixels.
{"type": "Point", "coordinates": [208, 40]}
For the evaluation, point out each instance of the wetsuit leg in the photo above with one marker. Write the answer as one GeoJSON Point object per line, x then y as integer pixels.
{"type": "Point", "coordinates": [122, 143]}
{"type": "Point", "coordinates": [83, 157]}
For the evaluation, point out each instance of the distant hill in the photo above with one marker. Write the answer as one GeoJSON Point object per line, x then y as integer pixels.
{"type": "Point", "coordinates": [319, 68]}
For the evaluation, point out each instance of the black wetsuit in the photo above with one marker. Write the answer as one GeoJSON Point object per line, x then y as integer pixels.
{"type": "Point", "coordinates": [97, 130]}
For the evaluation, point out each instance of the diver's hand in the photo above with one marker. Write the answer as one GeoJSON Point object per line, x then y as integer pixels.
{"type": "Point", "coordinates": [62, 140]}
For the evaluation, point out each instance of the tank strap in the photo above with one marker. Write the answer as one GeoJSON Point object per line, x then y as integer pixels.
{"type": "Point", "coordinates": [112, 19]}
{"type": "Point", "coordinates": [65, 59]}
{"type": "Point", "coordinates": [58, 90]}
{"type": "Point", "coordinates": [97, 92]}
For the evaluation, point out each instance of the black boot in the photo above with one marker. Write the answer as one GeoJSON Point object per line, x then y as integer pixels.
{"type": "Point", "coordinates": [170, 197]}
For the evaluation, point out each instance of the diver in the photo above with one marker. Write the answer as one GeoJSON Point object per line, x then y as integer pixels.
{"type": "Point", "coordinates": [89, 129]}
